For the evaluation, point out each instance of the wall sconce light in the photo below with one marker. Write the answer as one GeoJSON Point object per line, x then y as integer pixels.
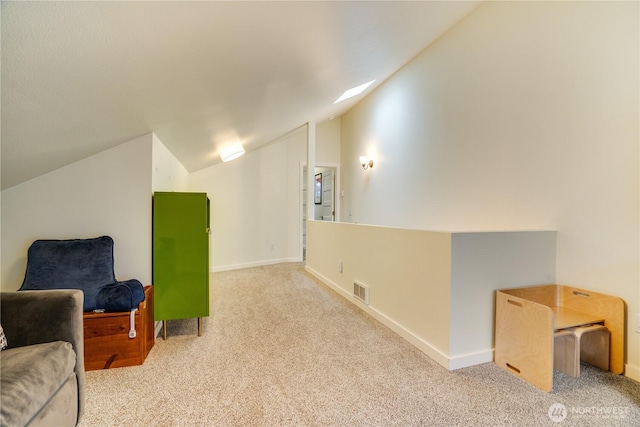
{"type": "Point", "coordinates": [365, 162]}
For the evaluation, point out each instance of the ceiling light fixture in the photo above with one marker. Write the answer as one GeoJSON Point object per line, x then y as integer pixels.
{"type": "Point", "coordinates": [353, 92]}
{"type": "Point", "coordinates": [231, 152]}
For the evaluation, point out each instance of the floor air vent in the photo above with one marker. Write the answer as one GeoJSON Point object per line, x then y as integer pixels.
{"type": "Point", "coordinates": [361, 292]}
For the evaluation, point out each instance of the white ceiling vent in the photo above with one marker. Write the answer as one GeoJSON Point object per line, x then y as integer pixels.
{"type": "Point", "coordinates": [361, 292]}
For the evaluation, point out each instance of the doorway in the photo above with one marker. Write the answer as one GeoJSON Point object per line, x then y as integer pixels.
{"type": "Point", "coordinates": [326, 203]}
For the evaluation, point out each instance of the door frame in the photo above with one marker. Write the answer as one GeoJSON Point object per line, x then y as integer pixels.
{"type": "Point", "coordinates": [336, 195]}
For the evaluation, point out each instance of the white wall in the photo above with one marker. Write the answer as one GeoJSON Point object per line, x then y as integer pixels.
{"type": "Point", "coordinates": [480, 264]}
{"type": "Point", "coordinates": [168, 174]}
{"type": "Point", "coordinates": [106, 194]}
{"type": "Point", "coordinates": [256, 200]}
{"type": "Point", "coordinates": [327, 142]}
{"type": "Point", "coordinates": [255, 203]}
{"type": "Point", "coordinates": [523, 116]}
{"type": "Point", "coordinates": [248, 200]}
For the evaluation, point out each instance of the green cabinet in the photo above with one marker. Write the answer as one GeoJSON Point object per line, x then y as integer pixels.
{"type": "Point", "coordinates": [181, 256]}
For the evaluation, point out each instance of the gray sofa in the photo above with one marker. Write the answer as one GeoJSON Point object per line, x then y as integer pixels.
{"type": "Point", "coordinates": [42, 369]}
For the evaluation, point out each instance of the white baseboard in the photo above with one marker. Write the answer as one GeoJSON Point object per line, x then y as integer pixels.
{"type": "Point", "coordinates": [252, 264]}
{"type": "Point", "coordinates": [478, 358]}
{"type": "Point", "coordinates": [422, 345]}
{"type": "Point", "coordinates": [632, 372]}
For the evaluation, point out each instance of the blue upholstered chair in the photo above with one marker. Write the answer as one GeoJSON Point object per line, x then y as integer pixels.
{"type": "Point", "coordinates": [85, 264]}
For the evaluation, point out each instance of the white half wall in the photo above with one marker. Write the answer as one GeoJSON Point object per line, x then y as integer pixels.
{"type": "Point", "coordinates": [105, 194]}
{"type": "Point", "coordinates": [408, 273]}
{"type": "Point", "coordinates": [435, 289]}
{"type": "Point", "coordinates": [524, 116]}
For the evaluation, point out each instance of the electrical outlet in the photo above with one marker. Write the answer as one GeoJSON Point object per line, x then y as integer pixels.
{"type": "Point", "coordinates": [340, 265]}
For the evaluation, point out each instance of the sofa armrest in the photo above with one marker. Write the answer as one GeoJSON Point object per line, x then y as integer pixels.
{"type": "Point", "coordinates": [34, 317]}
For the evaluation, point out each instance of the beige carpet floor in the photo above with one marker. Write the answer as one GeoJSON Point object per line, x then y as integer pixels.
{"type": "Point", "coordinates": [280, 349]}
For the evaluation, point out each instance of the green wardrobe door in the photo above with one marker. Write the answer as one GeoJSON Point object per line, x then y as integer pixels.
{"type": "Point", "coordinates": [180, 255]}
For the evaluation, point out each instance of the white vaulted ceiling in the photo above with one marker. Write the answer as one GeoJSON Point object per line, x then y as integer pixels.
{"type": "Point", "coordinates": [81, 77]}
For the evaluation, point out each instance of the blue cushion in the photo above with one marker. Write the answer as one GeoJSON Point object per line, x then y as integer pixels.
{"type": "Point", "coordinates": [120, 296]}
{"type": "Point", "coordinates": [85, 264]}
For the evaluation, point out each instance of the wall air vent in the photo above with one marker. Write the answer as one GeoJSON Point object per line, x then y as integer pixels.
{"type": "Point", "coordinates": [361, 292]}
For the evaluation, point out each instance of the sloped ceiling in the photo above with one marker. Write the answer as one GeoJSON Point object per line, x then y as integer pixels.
{"type": "Point", "coordinates": [81, 77]}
